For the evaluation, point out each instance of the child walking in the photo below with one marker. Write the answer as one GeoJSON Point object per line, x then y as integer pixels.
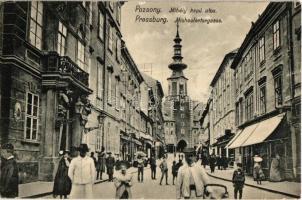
{"type": "Point", "coordinates": [174, 170]}
{"type": "Point", "coordinates": [238, 181]}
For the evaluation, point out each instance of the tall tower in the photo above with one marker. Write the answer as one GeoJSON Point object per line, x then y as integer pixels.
{"type": "Point", "coordinates": [178, 100]}
{"type": "Point", "coordinates": [177, 81]}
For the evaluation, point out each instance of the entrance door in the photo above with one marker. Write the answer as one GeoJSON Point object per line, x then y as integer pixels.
{"type": "Point", "coordinates": [181, 145]}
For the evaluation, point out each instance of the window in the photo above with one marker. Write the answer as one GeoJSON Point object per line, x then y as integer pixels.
{"type": "Point", "coordinates": [109, 92]}
{"type": "Point", "coordinates": [181, 89]}
{"type": "Point", "coordinates": [81, 55]}
{"type": "Point", "coordinates": [261, 49]}
{"type": "Point", "coordinates": [117, 94]}
{"type": "Point", "coordinates": [276, 34]}
{"type": "Point", "coordinates": [36, 23]}
{"type": "Point", "coordinates": [101, 26]}
{"type": "Point", "coordinates": [182, 131]}
{"type": "Point", "coordinates": [99, 80]}
{"type": "Point", "coordinates": [182, 115]}
{"type": "Point", "coordinates": [237, 114]}
{"type": "Point", "coordinates": [110, 38]}
{"type": "Point", "coordinates": [118, 14]}
{"type": "Point", "coordinates": [249, 106]}
{"type": "Point", "coordinates": [174, 88]}
{"type": "Point", "coordinates": [240, 111]}
{"type": "Point", "coordinates": [62, 34]}
{"type": "Point", "coordinates": [90, 13]}
{"type": "Point", "coordinates": [278, 90]}
{"type": "Point", "coordinates": [118, 50]}
{"type": "Point", "coordinates": [171, 132]}
{"type": "Point", "coordinates": [263, 99]}
{"type": "Point", "coordinates": [182, 123]}
{"type": "Point", "coordinates": [31, 117]}
{"type": "Point", "coordinates": [98, 139]}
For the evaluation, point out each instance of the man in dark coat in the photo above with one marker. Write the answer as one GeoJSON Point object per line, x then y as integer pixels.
{"type": "Point", "coordinates": [110, 162]}
{"type": "Point", "coordinates": [9, 180]}
{"type": "Point", "coordinates": [100, 167]}
{"type": "Point", "coordinates": [212, 162]}
{"type": "Point", "coordinates": [153, 167]}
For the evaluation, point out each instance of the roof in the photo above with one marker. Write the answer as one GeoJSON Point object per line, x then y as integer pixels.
{"type": "Point", "coordinates": [153, 83]}
{"type": "Point", "coordinates": [222, 66]}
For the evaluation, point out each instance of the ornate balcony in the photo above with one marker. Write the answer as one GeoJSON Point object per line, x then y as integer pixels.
{"type": "Point", "coordinates": [61, 71]}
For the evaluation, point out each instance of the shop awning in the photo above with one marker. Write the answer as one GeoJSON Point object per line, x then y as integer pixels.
{"type": "Point", "coordinates": [246, 132]}
{"type": "Point", "coordinates": [234, 138]}
{"type": "Point", "coordinates": [263, 130]}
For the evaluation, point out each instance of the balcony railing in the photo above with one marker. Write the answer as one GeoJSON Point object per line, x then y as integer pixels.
{"type": "Point", "coordinates": [65, 66]}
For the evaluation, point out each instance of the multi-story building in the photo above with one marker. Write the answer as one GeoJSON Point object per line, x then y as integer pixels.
{"type": "Point", "coordinates": [44, 78]}
{"type": "Point", "coordinates": [155, 113]}
{"type": "Point", "coordinates": [205, 137]}
{"type": "Point", "coordinates": [267, 76]}
{"type": "Point", "coordinates": [66, 77]}
{"type": "Point", "coordinates": [223, 108]}
{"type": "Point", "coordinates": [178, 102]}
{"type": "Point", "coordinates": [197, 133]}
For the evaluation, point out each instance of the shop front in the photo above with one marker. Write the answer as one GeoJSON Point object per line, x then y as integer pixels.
{"type": "Point", "coordinates": [266, 139]}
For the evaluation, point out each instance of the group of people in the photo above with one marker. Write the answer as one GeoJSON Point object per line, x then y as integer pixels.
{"type": "Point", "coordinates": [220, 161]}
{"type": "Point", "coordinates": [77, 173]}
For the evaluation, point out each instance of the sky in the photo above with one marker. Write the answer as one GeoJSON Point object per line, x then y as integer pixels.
{"type": "Point", "coordinates": [203, 45]}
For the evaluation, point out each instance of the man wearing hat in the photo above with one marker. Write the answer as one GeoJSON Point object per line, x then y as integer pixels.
{"type": "Point", "coordinates": [191, 177]}
{"type": "Point", "coordinates": [9, 179]}
{"type": "Point", "coordinates": [110, 166]}
{"type": "Point", "coordinates": [82, 174]}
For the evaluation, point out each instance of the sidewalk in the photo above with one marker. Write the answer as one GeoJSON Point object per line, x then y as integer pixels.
{"type": "Point", "coordinates": [40, 188]}
{"type": "Point", "coordinates": [286, 188]}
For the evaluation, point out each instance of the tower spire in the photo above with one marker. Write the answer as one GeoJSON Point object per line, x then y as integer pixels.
{"type": "Point", "coordinates": [177, 58]}
{"type": "Point", "coordinates": [177, 26]}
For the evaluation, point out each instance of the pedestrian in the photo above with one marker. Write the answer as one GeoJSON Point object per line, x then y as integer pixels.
{"type": "Point", "coordinates": [174, 171]}
{"type": "Point", "coordinates": [140, 168]}
{"type": "Point", "coordinates": [191, 178]}
{"type": "Point", "coordinates": [238, 181]}
{"type": "Point", "coordinates": [82, 174]}
{"type": "Point", "coordinates": [258, 172]}
{"type": "Point", "coordinates": [101, 163]}
{"type": "Point", "coordinates": [62, 182]}
{"type": "Point", "coordinates": [204, 160]}
{"type": "Point", "coordinates": [153, 167]}
{"type": "Point", "coordinates": [218, 162]}
{"type": "Point", "coordinates": [93, 158]}
{"type": "Point", "coordinates": [9, 177]}
{"type": "Point", "coordinates": [164, 170]}
{"type": "Point", "coordinates": [224, 162]}
{"type": "Point", "coordinates": [212, 162]}
{"type": "Point", "coordinates": [110, 162]}
{"type": "Point", "coordinates": [275, 170]}
{"type": "Point", "coordinates": [123, 182]}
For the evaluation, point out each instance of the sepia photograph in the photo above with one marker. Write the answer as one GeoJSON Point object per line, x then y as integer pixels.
{"type": "Point", "coordinates": [150, 99]}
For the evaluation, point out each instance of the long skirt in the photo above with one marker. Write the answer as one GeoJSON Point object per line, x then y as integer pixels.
{"type": "Point", "coordinates": [81, 191]}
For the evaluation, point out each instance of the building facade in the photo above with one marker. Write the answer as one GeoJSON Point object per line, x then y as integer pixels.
{"type": "Point", "coordinates": [267, 76]}
{"type": "Point", "coordinates": [223, 109]}
{"type": "Point", "coordinates": [67, 77]}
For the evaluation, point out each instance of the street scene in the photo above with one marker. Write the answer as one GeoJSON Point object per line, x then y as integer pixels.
{"type": "Point", "coordinates": [153, 99]}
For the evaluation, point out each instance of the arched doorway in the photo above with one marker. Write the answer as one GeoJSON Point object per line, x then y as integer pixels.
{"type": "Point", "coordinates": [181, 145]}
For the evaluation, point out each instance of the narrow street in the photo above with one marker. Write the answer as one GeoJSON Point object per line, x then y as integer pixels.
{"type": "Point", "coordinates": [150, 189]}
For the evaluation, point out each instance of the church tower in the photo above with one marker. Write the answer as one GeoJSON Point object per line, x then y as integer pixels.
{"type": "Point", "coordinates": [178, 105]}
{"type": "Point", "coordinates": [177, 81]}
